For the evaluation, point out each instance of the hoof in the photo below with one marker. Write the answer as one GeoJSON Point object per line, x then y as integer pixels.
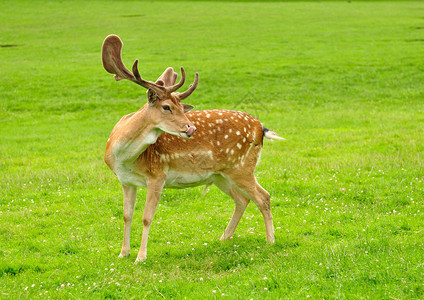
{"type": "Point", "coordinates": [138, 260]}
{"type": "Point", "coordinates": [225, 238]}
{"type": "Point", "coordinates": [122, 255]}
{"type": "Point", "coordinates": [271, 241]}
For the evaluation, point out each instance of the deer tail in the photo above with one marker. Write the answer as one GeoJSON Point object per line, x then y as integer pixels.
{"type": "Point", "coordinates": [271, 135]}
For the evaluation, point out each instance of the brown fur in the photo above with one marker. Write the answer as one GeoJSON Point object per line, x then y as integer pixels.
{"type": "Point", "coordinates": [192, 154]}
{"type": "Point", "coordinates": [224, 151]}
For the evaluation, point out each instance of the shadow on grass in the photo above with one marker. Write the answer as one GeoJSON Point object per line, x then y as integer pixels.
{"type": "Point", "coordinates": [218, 256]}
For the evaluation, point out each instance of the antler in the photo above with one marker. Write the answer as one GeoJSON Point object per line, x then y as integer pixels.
{"type": "Point", "coordinates": [112, 62]}
{"type": "Point", "coordinates": [191, 89]}
{"type": "Point", "coordinates": [180, 83]}
{"type": "Point", "coordinates": [169, 77]}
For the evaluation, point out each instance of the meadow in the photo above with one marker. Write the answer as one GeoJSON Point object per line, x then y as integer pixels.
{"type": "Point", "coordinates": [342, 81]}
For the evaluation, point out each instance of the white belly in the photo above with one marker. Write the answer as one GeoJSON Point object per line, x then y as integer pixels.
{"type": "Point", "coordinates": [184, 180]}
{"type": "Point", "coordinates": [173, 179]}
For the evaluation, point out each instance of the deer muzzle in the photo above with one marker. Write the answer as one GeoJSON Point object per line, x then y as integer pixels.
{"type": "Point", "coordinates": [190, 130]}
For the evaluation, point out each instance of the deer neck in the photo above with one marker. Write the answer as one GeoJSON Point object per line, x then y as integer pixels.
{"type": "Point", "coordinates": [132, 135]}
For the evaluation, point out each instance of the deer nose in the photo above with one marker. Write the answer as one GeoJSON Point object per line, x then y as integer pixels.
{"type": "Point", "coordinates": [190, 130]}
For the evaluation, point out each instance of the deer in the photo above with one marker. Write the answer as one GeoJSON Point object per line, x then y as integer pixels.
{"type": "Point", "coordinates": [167, 145]}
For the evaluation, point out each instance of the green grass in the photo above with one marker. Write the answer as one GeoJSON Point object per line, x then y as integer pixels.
{"type": "Point", "coordinates": [343, 82]}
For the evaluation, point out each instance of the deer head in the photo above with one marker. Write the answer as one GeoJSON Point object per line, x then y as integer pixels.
{"type": "Point", "coordinates": [164, 102]}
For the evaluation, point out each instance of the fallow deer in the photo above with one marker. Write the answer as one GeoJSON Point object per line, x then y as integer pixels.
{"type": "Point", "coordinates": [156, 147]}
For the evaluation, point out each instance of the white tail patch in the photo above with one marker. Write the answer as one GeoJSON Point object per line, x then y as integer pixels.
{"type": "Point", "coordinates": [271, 135]}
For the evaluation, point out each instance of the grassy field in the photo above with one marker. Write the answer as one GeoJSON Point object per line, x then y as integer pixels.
{"type": "Point", "coordinates": [342, 81]}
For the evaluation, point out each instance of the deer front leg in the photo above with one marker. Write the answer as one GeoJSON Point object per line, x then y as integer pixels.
{"type": "Point", "coordinates": [130, 195]}
{"type": "Point", "coordinates": [154, 190]}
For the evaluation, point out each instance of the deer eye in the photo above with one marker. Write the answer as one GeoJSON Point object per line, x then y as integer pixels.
{"type": "Point", "coordinates": [166, 107]}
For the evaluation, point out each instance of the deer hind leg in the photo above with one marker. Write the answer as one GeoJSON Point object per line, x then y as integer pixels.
{"type": "Point", "coordinates": [250, 187]}
{"type": "Point", "coordinates": [130, 195]}
{"type": "Point", "coordinates": [154, 190]}
{"type": "Point", "coordinates": [240, 202]}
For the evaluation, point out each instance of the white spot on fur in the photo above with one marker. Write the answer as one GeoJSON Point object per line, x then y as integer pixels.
{"type": "Point", "coordinates": [238, 132]}
{"type": "Point", "coordinates": [228, 150]}
{"type": "Point", "coordinates": [226, 136]}
{"type": "Point", "coordinates": [230, 130]}
{"type": "Point", "coordinates": [238, 146]}
{"type": "Point", "coordinates": [208, 115]}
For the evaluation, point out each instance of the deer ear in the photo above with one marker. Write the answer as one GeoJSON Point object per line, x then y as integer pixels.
{"type": "Point", "coordinates": [152, 97]}
{"type": "Point", "coordinates": [187, 107]}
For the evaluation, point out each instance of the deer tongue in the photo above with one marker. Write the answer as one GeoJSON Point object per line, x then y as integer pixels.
{"type": "Point", "coordinates": [191, 130]}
